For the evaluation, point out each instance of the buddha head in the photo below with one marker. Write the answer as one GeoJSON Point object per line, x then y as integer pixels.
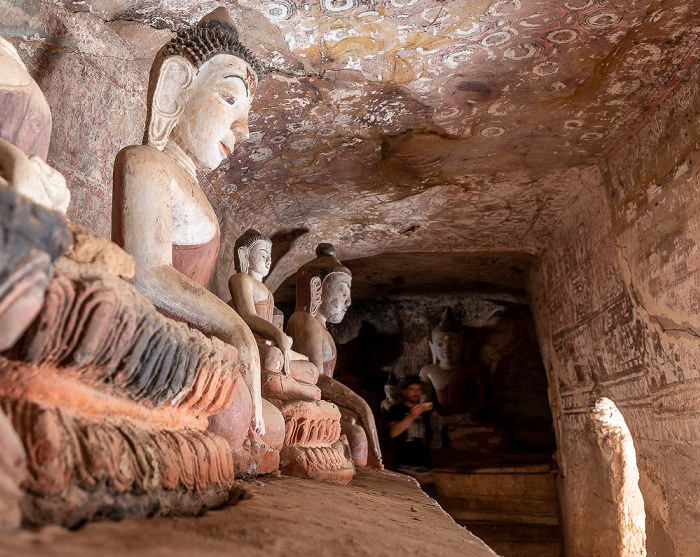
{"type": "Point", "coordinates": [201, 87]}
{"type": "Point", "coordinates": [448, 341]}
{"type": "Point", "coordinates": [323, 286]}
{"type": "Point", "coordinates": [391, 389]}
{"type": "Point", "coordinates": [253, 254]}
{"type": "Point", "coordinates": [25, 117]}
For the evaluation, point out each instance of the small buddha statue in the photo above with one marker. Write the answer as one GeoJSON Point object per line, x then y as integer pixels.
{"type": "Point", "coordinates": [392, 394]}
{"type": "Point", "coordinates": [286, 375]}
{"type": "Point", "coordinates": [201, 87]}
{"type": "Point", "coordinates": [323, 296]}
{"type": "Point", "coordinates": [459, 386]}
{"type": "Point", "coordinates": [459, 389]}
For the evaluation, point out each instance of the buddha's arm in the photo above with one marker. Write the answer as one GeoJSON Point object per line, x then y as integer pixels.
{"type": "Point", "coordinates": [241, 288]}
{"type": "Point", "coordinates": [424, 375]}
{"type": "Point", "coordinates": [339, 394]}
{"type": "Point", "coordinates": [308, 337]}
{"type": "Point", "coordinates": [147, 236]}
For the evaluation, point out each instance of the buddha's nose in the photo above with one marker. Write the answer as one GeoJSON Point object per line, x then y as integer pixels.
{"type": "Point", "coordinates": [240, 130]}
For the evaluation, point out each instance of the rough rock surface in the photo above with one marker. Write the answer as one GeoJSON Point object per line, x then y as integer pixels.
{"type": "Point", "coordinates": [379, 513]}
{"type": "Point", "coordinates": [616, 303]}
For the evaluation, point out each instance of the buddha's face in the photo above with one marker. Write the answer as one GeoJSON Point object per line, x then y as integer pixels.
{"type": "Point", "coordinates": [260, 258]}
{"type": "Point", "coordinates": [391, 392]}
{"type": "Point", "coordinates": [448, 347]}
{"type": "Point", "coordinates": [335, 297]}
{"type": "Point", "coordinates": [215, 116]}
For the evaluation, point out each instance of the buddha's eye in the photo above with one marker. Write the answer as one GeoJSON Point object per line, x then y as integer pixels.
{"type": "Point", "coordinates": [229, 100]}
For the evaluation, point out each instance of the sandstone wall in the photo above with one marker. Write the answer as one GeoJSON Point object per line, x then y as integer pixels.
{"type": "Point", "coordinates": [617, 304]}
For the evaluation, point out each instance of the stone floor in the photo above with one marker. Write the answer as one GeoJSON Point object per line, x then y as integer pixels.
{"type": "Point", "coordinates": [378, 513]}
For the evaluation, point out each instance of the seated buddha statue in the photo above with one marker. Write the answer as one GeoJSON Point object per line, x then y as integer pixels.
{"type": "Point", "coordinates": [459, 389]}
{"type": "Point", "coordinates": [24, 135]}
{"type": "Point", "coordinates": [202, 85]}
{"type": "Point", "coordinates": [323, 296]}
{"type": "Point", "coordinates": [30, 239]}
{"type": "Point", "coordinates": [459, 386]}
{"type": "Point", "coordinates": [286, 375]}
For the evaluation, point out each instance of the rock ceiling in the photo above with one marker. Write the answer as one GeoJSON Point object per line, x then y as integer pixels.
{"type": "Point", "coordinates": [425, 126]}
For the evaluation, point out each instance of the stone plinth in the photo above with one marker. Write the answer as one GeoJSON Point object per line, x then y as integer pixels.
{"type": "Point", "coordinates": [312, 446]}
{"type": "Point", "coordinates": [111, 400]}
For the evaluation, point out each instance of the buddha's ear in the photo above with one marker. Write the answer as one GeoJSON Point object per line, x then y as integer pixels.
{"type": "Point", "coordinates": [243, 253]}
{"type": "Point", "coordinates": [432, 351]}
{"type": "Point", "coordinates": [169, 97]}
{"type": "Point", "coordinates": [315, 288]}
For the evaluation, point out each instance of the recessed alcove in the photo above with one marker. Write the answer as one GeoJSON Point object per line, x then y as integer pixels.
{"type": "Point", "coordinates": [398, 298]}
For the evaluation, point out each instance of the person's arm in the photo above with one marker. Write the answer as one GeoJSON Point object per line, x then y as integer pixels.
{"type": "Point", "coordinates": [147, 236]}
{"type": "Point", "coordinates": [397, 428]}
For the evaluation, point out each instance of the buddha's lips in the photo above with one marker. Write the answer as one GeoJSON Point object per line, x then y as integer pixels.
{"type": "Point", "coordinates": [226, 149]}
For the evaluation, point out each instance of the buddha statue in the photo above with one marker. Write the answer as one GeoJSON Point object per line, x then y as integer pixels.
{"type": "Point", "coordinates": [392, 394]}
{"type": "Point", "coordinates": [286, 375]}
{"type": "Point", "coordinates": [32, 237]}
{"type": "Point", "coordinates": [25, 131]}
{"type": "Point", "coordinates": [104, 402]}
{"type": "Point", "coordinates": [458, 385]}
{"type": "Point", "coordinates": [459, 389]}
{"type": "Point", "coordinates": [323, 296]}
{"type": "Point", "coordinates": [312, 445]}
{"type": "Point", "coordinates": [202, 85]}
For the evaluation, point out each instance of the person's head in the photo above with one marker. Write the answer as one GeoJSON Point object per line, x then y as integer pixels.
{"type": "Point", "coordinates": [201, 88]}
{"type": "Point", "coordinates": [323, 286]}
{"type": "Point", "coordinates": [448, 341]}
{"type": "Point", "coordinates": [253, 253]}
{"type": "Point", "coordinates": [412, 389]}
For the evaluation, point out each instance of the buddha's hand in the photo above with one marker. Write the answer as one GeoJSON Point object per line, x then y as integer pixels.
{"type": "Point", "coordinates": [287, 359]}
{"type": "Point", "coordinates": [284, 342]}
{"type": "Point", "coordinates": [258, 423]}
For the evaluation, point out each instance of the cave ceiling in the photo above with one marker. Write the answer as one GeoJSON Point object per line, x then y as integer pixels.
{"type": "Point", "coordinates": [426, 126]}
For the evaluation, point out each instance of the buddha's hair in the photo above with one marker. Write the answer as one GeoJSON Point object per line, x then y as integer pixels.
{"type": "Point", "coordinates": [450, 324]}
{"type": "Point", "coordinates": [247, 240]}
{"type": "Point", "coordinates": [199, 44]}
{"type": "Point", "coordinates": [312, 275]}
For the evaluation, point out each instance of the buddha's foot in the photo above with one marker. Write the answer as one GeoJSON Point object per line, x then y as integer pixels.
{"type": "Point", "coordinates": [300, 384]}
{"type": "Point", "coordinates": [317, 463]}
{"type": "Point", "coordinates": [282, 387]}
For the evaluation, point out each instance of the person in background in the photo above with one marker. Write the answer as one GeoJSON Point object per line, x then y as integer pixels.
{"type": "Point", "coordinates": [409, 428]}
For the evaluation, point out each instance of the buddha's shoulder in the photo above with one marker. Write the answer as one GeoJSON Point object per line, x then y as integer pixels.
{"type": "Point", "coordinates": [243, 279]}
{"type": "Point", "coordinates": [303, 319]}
{"type": "Point", "coordinates": [145, 156]}
{"type": "Point", "coordinates": [429, 369]}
